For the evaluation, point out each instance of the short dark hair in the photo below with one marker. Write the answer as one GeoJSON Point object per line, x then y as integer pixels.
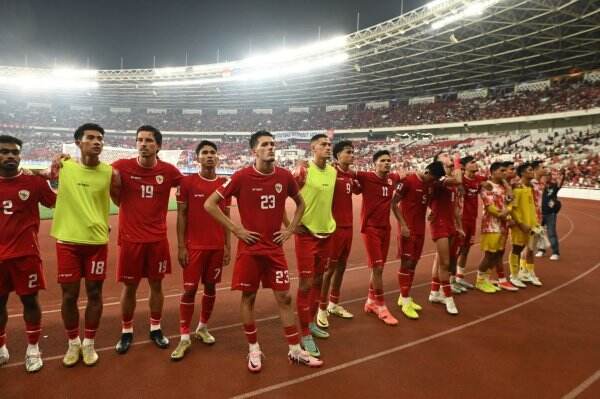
{"type": "Point", "coordinates": [78, 135]}
{"type": "Point", "coordinates": [340, 146]}
{"type": "Point", "coordinates": [255, 136]}
{"type": "Point", "coordinates": [203, 143]}
{"type": "Point", "coordinates": [508, 164]}
{"type": "Point", "coordinates": [522, 168]}
{"type": "Point", "coordinates": [6, 139]}
{"type": "Point", "coordinates": [497, 165]}
{"type": "Point", "coordinates": [436, 169]}
{"type": "Point", "coordinates": [465, 160]}
{"type": "Point", "coordinates": [379, 154]}
{"type": "Point", "coordinates": [318, 136]}
{"type": "Point", "coordinates": [155, 132]}
{"type": "Point", "coordinates": [437, 155]}
{"type": "Point", "coordinates": [536, 163]}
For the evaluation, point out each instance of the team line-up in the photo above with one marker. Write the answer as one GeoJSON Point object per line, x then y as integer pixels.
{"type": "Point", "coordinates": [445, 194]}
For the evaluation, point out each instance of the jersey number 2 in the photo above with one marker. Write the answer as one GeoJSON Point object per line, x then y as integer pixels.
{"type": "Point", "coordinates": [6, 207]}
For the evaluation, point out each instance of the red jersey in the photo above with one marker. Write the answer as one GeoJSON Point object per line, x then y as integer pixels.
{"type": "Point", "coordinates": [203, 231]}
{"type": "Point", "coordinates": [377, 198]}
{"type": "Point", "coordinates": [443, 207]}
{"type": "Point", "coordinates": [345, 186]}
{"type": "Point", "coordinates": [472, 188]}
{"type": "Point", "coordinates": [538, 192]}
{"type": "Point", "coordinates": [20, 215]}
{"type": "Point", "coordinates": [415, 195]}
{"type": "Point", "coordinates": [261, 203]}
{"type": "Point", "coordinates": [144, 199]}
{"type": "Point", "coordinates": [494, 197]}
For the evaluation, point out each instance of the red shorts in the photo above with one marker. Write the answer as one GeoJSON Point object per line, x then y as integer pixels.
{"type": "Point", "coordinates": [341, 243]}
{"type": "Point", "coordinates": [470, 229]}
{"type": "Point", "coordinates": [442, 230]}
{"type": "Point", "coordinates": [377, 244]}
{"type": "Point", "coordinates": [148, 259]}
{"type": "Point", "coordinates": [77, 261]}
{"type": "Point", "coordinates": [411, 247]}
{"type": "Point", "coordinates": [23, 275]}
{"type": "Point", "coordinates": [250, 270]}
{"type": "Point", "coordinates": [205, 264]}
{"type": "Point", "coordinates": [311, 254]}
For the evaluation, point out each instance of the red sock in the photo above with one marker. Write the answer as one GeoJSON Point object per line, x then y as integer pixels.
{"type": "Point", "coordinates": [186, 311]}
{"type": "Point", "coordinates": [371, 292]}
{"type": "Point", "coordinates": [127, 322]}
{"type": "Point", "coordinates": [208, 303]}
{"type": "Point", "coordinates": [90, 329]}
{"type": "Point", "coordinates": [334, 296]}
{"type": "Point", "coordinates": [2, 338]}
{"type": "Point", "coordinates": [446, 288]}
{"type": "Point", "coordinates": [435, 284]}
{"type": "Point", "coordinates": [379, 297]}
{"type": "Point", "coordinates": [500, 270]}
{"type": "Point", "coordinates": [155, 318]}
{"type": "Point", "coordinates": [303, 308]}
{"type": "Point", "coordinates": [404, 281]}
{"type": "Point", "coordinates": [250, 331]}
{"type": "Point", "coordinates": [291, 335]}
{"type": "Point", "coordinates": [33, 332]}
{"type": "Point", "coordinates": [315, 294]}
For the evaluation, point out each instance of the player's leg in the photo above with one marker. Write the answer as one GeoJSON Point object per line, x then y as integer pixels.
{"type": "Point", "coordinates": [295, 352]}
{"type": "Point", "coordinates": [156, 302]}
{"type": "Point", "coordinates": [406, 275]}
{"type": "Point", "coordinates": [212, 272]}
{"type": "Point", "coordinates": [552, 235]}
{"type": "Point", "coordinates": [4, 355]}
{"type": "Point", "coordinates": [322, 315]}
{"type": "Point", "coordinates": [443, 258]}
{"type": "Point", "coordinates": [465, 249]}
{"type": "Point", "coordinates": [341, 244]}
{"type": "Point", "coordinates": [456, 242]}
{"type": "Point", "coordinates": [482, 283]}
{"type": "Point", "coordinates": [530, 267]}
{"type": "Point", "coordinates": [128, 304]}
{"type": "Point", "coordinates": [320, 264]}
{"type": "Point", "coordinates": [32, 315]}
{"type": "Point", "coordinates": [249, 323]}
{"type": "Point", "coordinates": [130, 265]}
{"type": "Point", "coordinates": [70, 317]}
{"type": "Point", "coordinates": [93, 314]}
{"type": "Point", "coordinates": [514, 259]}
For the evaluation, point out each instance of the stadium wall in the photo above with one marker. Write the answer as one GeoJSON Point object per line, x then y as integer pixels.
{"type": "Point", "coordinates": [579, 193]}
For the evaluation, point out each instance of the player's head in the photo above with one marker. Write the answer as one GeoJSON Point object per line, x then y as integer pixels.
{"type": "Point", "coordinates": [525, 170]}
{"type": "Point", "coordinates": [444, 157]}
{"type": "Point", "coordinates": [538, 168]}
{"type": "Point", "coordinates": [434, 171]}
{"type": "Point", "coordinates": [510, 169]}
{"type": "Point", "coordinates": [343, 152]}
{"type": "Point", "coordinates": [469, 164]}
{"type": "Point", "coordinates": [262, 144]}
{"type": "Point", "coordinates": [206, 153]}
{"type": "Point", "coordinates": [498, 171]}
{"type": "Point", "coordinates": [10, 154]}
{"type": "Point", "coordinates": [89, 137]}
{"type": "Point", "coordinates": [383, 161]}
{"type": "Point", "coordinates": [320, 145]}
{"type": "Point", "coordinates": [148, 141]}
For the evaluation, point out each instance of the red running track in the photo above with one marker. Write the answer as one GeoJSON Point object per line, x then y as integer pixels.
{"type": "Point", "coordinates": [538, 341]}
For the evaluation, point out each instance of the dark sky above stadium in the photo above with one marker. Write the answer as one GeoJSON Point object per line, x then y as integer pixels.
{"type": "Point", "coordinates": [104, 31]}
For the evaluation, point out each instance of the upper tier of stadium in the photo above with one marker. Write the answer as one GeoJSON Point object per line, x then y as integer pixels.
{"type": "Point", "coordinates": [445, 47]}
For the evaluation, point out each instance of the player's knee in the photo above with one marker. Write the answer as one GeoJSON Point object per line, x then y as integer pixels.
{"type": "Point", "coordinates": [155, 287]}
{"type": "Point", "coordinates": [248, 297]}
{"type": "Point", "coordinates": [283, 298]}
{"type": "Point", "coordinates": [210, 289]}
{"type": "Point", "coordinates": [188, 295]}
{"type": "Point", "coordinates": [30, 302]}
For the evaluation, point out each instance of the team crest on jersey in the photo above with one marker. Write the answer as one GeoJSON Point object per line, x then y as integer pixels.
{"type": "Point", "coordinates": [24, 195]}
{"type": "Point", "coordinates": [278, 187]}
{"type": "Point", "coordinates": [160, 179]}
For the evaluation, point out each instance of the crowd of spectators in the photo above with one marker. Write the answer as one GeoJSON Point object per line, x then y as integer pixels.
{"type": "Point", "coordinates": [499, 104]}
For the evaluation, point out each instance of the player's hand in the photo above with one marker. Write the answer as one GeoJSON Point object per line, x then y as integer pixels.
{"type": "Point", "coordinates": [249, 237]}
{"type": "Point", "coordinates": [405, 231]}
{"type": "Point", "coordinates": [226, 256]}
{"type": "Point", "coordinates": [182, 256]}
{"type": "Point", "coordinates": [281, 236]}
{"type": "Point", "coordinates": [524, 228]}
{"type": "Point", "coordinates": [460, 232]}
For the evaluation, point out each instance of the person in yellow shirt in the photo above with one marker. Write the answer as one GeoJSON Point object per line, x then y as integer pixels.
{"type": "Point", "coordinates": [525, 225]}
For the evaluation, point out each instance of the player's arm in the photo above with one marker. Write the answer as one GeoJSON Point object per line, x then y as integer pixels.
{"type": "Point", "coordinates": [458, 220]}
{"type": "Point", "coordinates": [396, 202]}
{"type": "Point", "coordinates": [300, 172]}
{"type": "Point", "coordinates": [47, 195]}
{"type": "Point", "coordinates": [454, 179]}
{"type": "Point", "coordinates": [211, 205]}
{"type": "Point", "coordinates": [282, 235]}
{"type": "Point", "coordinates": [182, 253]}
{"type": "Point", "coordinates": [227, 248]}
{"type": "Point", "coordinates": [516, 212]}
{"type": "Point", "coordinates": [115, 187]}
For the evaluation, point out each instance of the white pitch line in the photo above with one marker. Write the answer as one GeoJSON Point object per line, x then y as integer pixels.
{"type": "Point", "coordinates": [583, 386]}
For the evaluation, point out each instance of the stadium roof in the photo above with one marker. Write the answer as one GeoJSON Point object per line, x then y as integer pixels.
{"type": "Point", "coordinates": [442, 47]}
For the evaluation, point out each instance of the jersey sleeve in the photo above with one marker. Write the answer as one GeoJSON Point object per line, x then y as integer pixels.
{"type": "Point", "coordinates": [293, 187]}
{"type": "Point", "coordinates": [230, 188]}
{"type": "Point", "coordinates": [176, 176]}
{"type": "Point", "coordinates": [299, 174]}
{"type": "Point", "coordinates": [182, 191]}
{"type": "Point", "coordinates": [47, 195]}
{"type": "Point", "coordinates": [227, 201]}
